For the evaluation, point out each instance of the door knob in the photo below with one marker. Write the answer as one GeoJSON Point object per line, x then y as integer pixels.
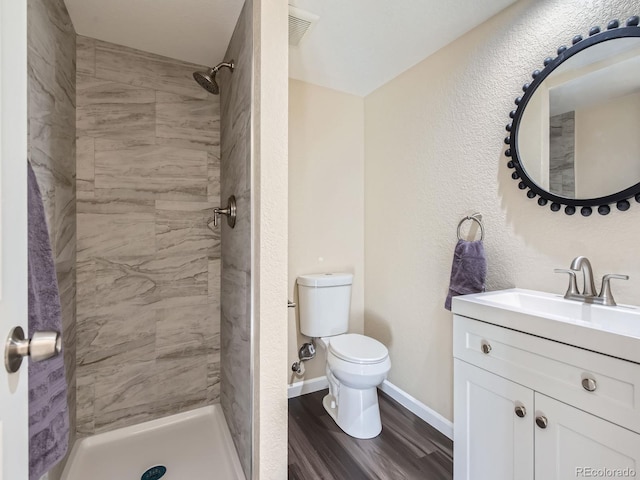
{"type": "Point", "coordinates": [42, 346]}
{"type": "Point", "coordinates": [486, 348]}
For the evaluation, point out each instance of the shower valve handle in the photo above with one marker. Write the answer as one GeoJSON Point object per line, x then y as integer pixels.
{"type": "Point", "coordinates": [230, 212]}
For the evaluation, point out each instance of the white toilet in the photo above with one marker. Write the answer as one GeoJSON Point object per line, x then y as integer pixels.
{"type": "Point", "coordinates": [356, 364]}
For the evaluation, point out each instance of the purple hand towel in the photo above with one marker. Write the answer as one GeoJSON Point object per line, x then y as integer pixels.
{"type": "Point", "coordinates": [468, 271]}
{"type": "Point", "coordinates": [48, 411]}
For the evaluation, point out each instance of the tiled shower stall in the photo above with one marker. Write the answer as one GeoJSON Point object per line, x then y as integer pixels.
{"type": "Point", "coordinates": [126, 148]}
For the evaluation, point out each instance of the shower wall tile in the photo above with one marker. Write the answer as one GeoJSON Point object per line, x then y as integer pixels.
{"type": "Point", "coordinates": [148, 296]}
{"type": "Point", "coordinates": [51, 70]}
{"type": "Point", "coordinates": [153, 172]}
{"type": "Point", "coordinates": [160, 281]}
{"type": "Point", "coordinates": [214, 280]}
{"type": "Point", "coordinates": [213, 176]}
{"type": "Point", "coordinates": [124, 386]}
{"type": "Point", "coordinates": [118, 336]}
{"type": "Point", "coordinates": [236, 377]}
{"type": "Point", "coordinates": [85, 174]}
{"type": "Point", "coordinates": [85, 396]}
{"type": "Point", "coordinates": [115, 228]}
{"type": "Point", "coordinates": [187, 122]}
{"type": "Point", "coordinates": [142, 69]}
{"type": "Point", "coordinates": [85, 56]}
{"type": "Point", "coordinates": [184, 227]}
{"type": "Point", "coordinates": [111, 109]}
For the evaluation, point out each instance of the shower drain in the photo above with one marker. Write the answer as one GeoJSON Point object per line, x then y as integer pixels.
{"type": "Point", "coordinates": [154, 473]}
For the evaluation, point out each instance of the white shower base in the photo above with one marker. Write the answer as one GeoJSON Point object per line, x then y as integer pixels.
{"type": "Point", "coordinates": [191, 445]}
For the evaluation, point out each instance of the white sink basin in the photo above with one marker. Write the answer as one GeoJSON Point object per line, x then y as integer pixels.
{"type": "Point", "coordinates": [614, 331]}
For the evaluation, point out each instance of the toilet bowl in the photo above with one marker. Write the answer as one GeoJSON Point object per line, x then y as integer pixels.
{"type": "Point", "coordinates": [356, 364]}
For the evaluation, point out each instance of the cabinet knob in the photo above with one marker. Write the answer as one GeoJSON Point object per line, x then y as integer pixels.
{"type": "Point", "coordinates": [589, 384]}
{"type": "Point", "coordinates": [485, 347]}
{"type": "Point", "coordinates": [542, 421]}
{"type": "Point", "coordinates": [521, 411]}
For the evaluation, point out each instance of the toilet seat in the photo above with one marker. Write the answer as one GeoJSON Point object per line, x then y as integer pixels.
{"type": "Point", "coordinates": [358, 349]}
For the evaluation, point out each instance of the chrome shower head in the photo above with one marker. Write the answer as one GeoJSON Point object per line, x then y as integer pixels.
{"type": "Point", "coordinates": [207, 80]}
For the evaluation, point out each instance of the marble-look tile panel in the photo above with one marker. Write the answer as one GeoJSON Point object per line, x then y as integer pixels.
{"type": "Point", "coordinates": [183, 227]}
{"type": "Point", "coordinates": [112, 419]}
{"type": "Point", "coordinates": [85, 56]}
{"type": "Point", "coordinates": [108, 144]}
{"type": "Point", "coordinates": [66, 275]}
{"type": "Point", "coordinates": [164, 281]}
{"type": "Point", "coordinates": [213, 176]}
{"type": "Point", "coordinates": [187, 122]}
{"type": "Point", "coordinates": [181, 332]}
{"type": "Point", "coordinates": [214, 281]}
{"type": "Point", "coordinates": [148, 307]}
{"type": "Point", "coordinates": [124, 386]}
{"type": "Point", "coordinates": [85, 173]}
{"type": "Point", "coordinates": [152, 172]}
{"type": "Point", "coordinates": [116, 336]}
{"type": "Point", "coordinates": [85, 290]}
{"type": "Point", "coordinates": [85, 399]}
{"type": "Point", "coordinates": [110, 109]}
{"type": "Point", "coordinates": [115, 228]}
{"type": "Point", "coordinates": [65, 212]}
{"type": "Point", "coordinates": [181, 378]}
{"type": "Point", "coordinates": [235, 178]}
{"type": "Point", "coordinates": [142, 69]}
{"type": "Point", "coordinates": [213, 377]}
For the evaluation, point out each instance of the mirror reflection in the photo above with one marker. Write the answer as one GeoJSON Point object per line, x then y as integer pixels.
{"type": "Point", "coordinates": [579, 136]}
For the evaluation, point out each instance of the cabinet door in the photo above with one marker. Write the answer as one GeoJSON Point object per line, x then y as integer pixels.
{"type": "Point", "coordinates": [576, 444]}
{"type": "Point", "coordinates": [491, 442]}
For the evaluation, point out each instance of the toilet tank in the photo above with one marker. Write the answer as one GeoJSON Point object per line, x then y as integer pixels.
{"type": "Point", "coordinates": [323, 303]}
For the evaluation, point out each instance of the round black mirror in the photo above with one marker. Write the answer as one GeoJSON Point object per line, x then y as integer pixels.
{"type": "Point", "coordinates": [574, 139]}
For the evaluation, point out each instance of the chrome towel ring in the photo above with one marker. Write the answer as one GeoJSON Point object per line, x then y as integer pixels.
{"type": "Point", "coordinates": [476, 217]}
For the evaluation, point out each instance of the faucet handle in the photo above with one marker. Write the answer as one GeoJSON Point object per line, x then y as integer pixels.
{"type": "Point", "coordinates": [605, 291]}
{"type": "Point", "coordinates": [573, 286]}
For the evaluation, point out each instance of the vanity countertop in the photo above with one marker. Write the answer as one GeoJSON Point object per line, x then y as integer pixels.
{"type": "Point", "coordinates": [613, 331]}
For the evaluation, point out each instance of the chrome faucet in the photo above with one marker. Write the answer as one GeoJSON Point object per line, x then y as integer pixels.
{"type": "Point", "coordinates": [583, 263]}
{"type": "Point", "coordinates": [588, 294]}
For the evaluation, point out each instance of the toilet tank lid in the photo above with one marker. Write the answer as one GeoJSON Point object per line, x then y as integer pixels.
{"type": "Point", "coordinates": [325, 279]}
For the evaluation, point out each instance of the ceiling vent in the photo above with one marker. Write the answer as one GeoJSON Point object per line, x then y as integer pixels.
{"type": "Point", "coordinates": [300, 22]}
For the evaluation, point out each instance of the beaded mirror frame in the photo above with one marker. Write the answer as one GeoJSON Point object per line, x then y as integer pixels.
{"type": "Point", "coordinates": [602, 204]}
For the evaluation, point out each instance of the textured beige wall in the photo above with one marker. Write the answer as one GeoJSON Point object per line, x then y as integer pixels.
{"type": "Point", "coordinates": [434, 153]}
{"type": "Point", "coordinates": [326, 200]}
{"type": "Point", "coordinates": [270, 238]}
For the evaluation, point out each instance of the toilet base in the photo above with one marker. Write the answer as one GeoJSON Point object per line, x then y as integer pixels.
{"type": "Point", "coordinates": [357, 411]}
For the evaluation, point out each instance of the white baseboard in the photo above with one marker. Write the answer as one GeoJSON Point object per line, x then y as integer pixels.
{"type": "Point", "coordinates": [418, 408]}
{"type": "Point", "coordinates": [307, 386]}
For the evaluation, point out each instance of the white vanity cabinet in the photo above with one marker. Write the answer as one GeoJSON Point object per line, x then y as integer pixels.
{"type": "Point", "coordinates": [527, 407]}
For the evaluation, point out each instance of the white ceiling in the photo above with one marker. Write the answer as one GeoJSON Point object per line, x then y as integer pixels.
{"type": "Point", "coordinates": [359, 45]}
{"type": "Point", "coordinates": [196, 31]}
{"type": "Point", "coordinates": [356, 46]}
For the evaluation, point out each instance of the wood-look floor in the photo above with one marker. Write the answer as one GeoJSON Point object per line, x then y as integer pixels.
{"type": "Point", "coordinates": [407, 448]}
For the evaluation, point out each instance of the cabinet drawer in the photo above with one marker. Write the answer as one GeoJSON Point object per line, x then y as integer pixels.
{"type": "Point", "coordinates": [554, 369]}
